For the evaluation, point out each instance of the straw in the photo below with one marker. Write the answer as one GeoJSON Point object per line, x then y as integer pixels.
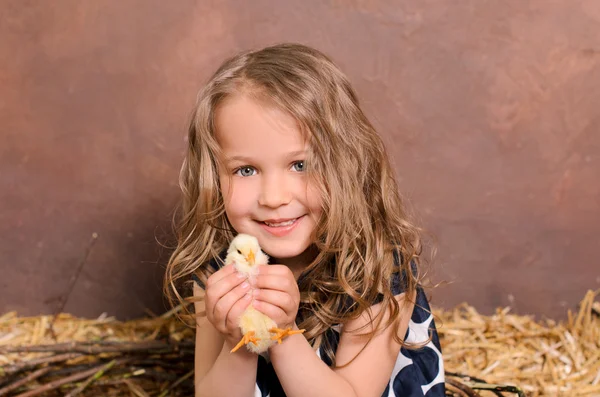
{"type": "Point", "coordinates": [502, 354]}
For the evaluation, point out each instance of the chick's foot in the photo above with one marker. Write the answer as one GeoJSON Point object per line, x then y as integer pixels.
{"type": "Point", "coordinates": [282, 333]}
{"type": "Point", "coordinates": [247, 338]}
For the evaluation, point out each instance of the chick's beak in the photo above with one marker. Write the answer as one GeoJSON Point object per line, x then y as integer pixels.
{"type": "Point", "coordinates": [251, 258]}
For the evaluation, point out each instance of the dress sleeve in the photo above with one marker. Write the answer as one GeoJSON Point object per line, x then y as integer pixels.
{"type": "Point", "coordinates": [398, 280]}
{"type": "Point", "coordinates": [419, 368]}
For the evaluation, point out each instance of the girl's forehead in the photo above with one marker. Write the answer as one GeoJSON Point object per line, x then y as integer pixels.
{"type": "Point", "coordinates": [244, 124]}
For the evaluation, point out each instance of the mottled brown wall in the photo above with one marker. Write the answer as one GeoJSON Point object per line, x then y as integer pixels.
{"type": "Point", "coordinates": [491, 111]}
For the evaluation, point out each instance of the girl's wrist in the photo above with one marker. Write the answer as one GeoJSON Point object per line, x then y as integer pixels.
{"type": "Point", "coordinates": [293, 327]}
{"type": "Point", "coordinates": [228, 345]}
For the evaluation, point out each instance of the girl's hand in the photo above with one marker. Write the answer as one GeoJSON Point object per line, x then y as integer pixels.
{"type": "Point", "coordinates": [226, 299]}
{"type": "Point", "coordinates": [277, 294]}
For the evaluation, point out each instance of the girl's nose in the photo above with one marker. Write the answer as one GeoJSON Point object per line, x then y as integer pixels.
{"type": "Point", "coordinates": [274, 192]}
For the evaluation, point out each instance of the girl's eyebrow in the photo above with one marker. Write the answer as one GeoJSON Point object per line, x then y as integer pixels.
{"type": "Point", "coordinates": [238, 158]}
{"type": "Point", "coordinates": [296, 153]}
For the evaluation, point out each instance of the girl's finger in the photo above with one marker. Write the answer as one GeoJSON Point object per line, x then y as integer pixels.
{"type": "Point", "coordinates": [216, 290]}
{"type": "Point", "coordinates": [219, 274]}
{"type": "Point", "coordinates": [223, 306]}
{"type": "Point", "coordinates": [274, 312]}
{"type": "Point", "coordinates": [233, 317]}
{"type": "Point", "coordinates": [277, 298]}
{"type": "Point", "coordinates": [279, 283]}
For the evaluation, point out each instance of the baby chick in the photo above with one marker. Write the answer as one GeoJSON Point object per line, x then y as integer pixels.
{"type": "Point", "coordinates": [258, 329]}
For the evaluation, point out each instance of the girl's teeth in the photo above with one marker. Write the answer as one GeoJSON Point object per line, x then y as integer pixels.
{"type": "Point", "coordinates": [281, 224]}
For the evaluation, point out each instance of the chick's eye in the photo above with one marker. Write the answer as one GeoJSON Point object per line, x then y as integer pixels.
{"type": "Point", "coordinates": [245, 171]}
{"type": "Point", "coordinates": [298, 166]}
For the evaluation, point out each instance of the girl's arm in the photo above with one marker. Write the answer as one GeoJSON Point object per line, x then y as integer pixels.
{"type": "Point", "coordinates": [301, 372]}
{"type": "Point", "coordinates": [217, 372]}
{"type": "Point", "coordinates": [370, 372]}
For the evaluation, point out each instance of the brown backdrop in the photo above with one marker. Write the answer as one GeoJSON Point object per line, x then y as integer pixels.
{"type": "Point", "coordinates": [490, 110]}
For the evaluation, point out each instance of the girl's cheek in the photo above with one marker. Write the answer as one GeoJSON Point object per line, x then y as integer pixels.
{"type": "Point", "coordinates": [314, 200]}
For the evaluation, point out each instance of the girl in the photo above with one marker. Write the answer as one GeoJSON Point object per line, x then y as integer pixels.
{"type": "Point", "coordinates": [280, 149]}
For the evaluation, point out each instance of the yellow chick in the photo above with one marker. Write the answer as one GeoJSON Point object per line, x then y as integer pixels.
{"type": "Point", "coordinates": [260, 331]}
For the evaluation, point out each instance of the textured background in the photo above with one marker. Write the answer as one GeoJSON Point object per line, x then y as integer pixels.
{"type": "Point", "coordinates": [490, 110]}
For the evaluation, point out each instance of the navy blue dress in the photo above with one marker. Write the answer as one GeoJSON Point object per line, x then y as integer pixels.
{"type": "Point", "coordinates": [417, 373]}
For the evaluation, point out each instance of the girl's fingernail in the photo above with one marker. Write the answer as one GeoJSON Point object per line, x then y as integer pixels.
{"type": "Point", "coordinates": [240, 275]}
{"type": "Point", "coordinates": [256, 292]}
{"type": "Point", "coordinates": [245, 285]}
{"type": "Point", "coordinates": [248, 296]}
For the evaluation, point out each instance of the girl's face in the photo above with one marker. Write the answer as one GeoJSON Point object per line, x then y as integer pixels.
{"type": "Point", "coordinates": [263, 182]}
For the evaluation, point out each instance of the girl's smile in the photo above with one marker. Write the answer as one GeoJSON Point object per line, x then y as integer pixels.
{"type": "Point", "coordinates": [281, 227]}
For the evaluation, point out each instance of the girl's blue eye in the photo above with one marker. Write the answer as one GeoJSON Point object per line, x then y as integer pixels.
{"type": "Point", "coordinates": [245, 171]}
{"type": "Point", "coordinates": [298, 166]}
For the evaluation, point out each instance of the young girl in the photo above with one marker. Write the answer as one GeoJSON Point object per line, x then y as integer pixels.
{"type": "Point", "coordinates": [280, 149]}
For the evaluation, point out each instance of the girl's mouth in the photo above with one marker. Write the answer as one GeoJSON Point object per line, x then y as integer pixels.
{"type": "Point", "coordinates": [280, 224]}
{"type": "Point", "coordinates": [280, 227]}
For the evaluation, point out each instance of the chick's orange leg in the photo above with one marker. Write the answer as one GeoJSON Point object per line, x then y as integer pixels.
{"type": "Point", "coordinates": [247, 338]}
{"type": "Point", "coordinates": [282, 333]}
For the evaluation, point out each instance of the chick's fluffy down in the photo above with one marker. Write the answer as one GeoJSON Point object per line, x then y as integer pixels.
{"type": "Point", "coordinates": [242, 248]}
{"type": "Point", "coordinates": [237, 254]}
{"type": "Point", "coordinates": [253, 320]}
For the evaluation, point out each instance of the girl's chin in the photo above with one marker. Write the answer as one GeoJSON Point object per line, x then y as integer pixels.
{"type": "Point", "coordinates": [291, 256]}
{"type": "Point", "coordinates": [282, 255]}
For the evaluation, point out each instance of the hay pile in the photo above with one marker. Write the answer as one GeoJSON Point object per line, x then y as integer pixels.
{"type": "Point", "coordinates": [544, 358]}
{"type": "Point", "coordinates": [154, 357]}
{"type": "Point", "coordinates": [102, 357]}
